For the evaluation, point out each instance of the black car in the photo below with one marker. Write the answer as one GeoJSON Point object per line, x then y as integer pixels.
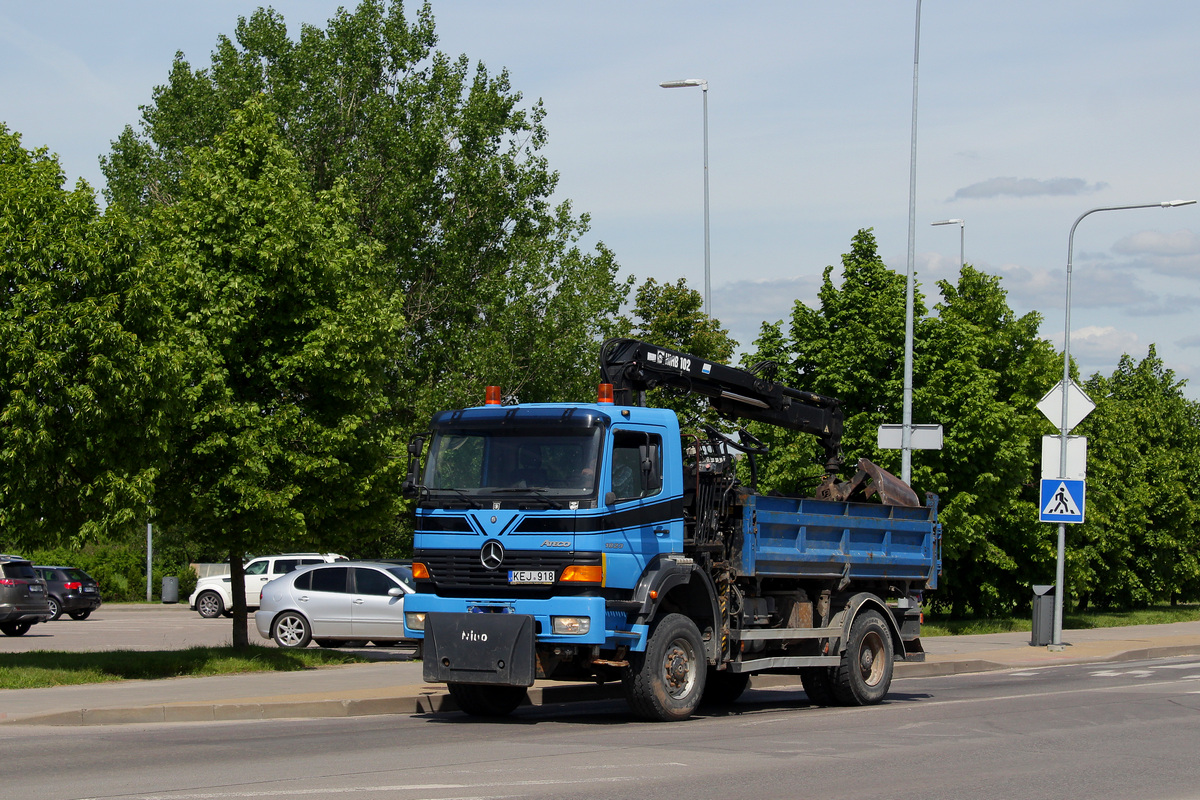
{"type": "Point", "coordinates": [71, 590]}
{"type": "Point", "coordinates": [22, 596]}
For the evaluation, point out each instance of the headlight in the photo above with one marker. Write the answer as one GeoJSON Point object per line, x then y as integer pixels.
{"type": "Point", "coordinates": [415, 620]}
{"type": "Point", "coordinates": [571, 626]}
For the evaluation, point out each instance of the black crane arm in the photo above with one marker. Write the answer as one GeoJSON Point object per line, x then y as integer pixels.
{"type": "Point", "coordinates": [633, 366]}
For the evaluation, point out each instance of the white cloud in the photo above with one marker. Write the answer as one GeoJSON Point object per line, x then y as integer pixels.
{"type": "Point", "coordinates": [1106, 344]}
{"type": "Point", "coordinates": [1027, 187]}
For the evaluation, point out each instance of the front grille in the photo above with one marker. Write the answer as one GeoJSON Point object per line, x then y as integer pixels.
{"type": "Point", "coordinates": [461, 572]}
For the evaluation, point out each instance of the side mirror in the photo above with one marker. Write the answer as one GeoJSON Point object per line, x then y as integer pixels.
{"type": "Point", "coordinates": [395, 591]}
{"type": "Point", "coordinates": [411, 486]}
{"type": "Point", "coordinates": [610, 498]}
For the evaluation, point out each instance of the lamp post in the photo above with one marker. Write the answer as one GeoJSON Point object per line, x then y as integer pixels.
{"type": "Point", "coordinates": [962, 258]}
{"type": "Point", "coordinates": [1065, 426]}
{"type": "Point", "coordinates": [703, 84]}
{"type": "Point", "coordinates": [910, 282]}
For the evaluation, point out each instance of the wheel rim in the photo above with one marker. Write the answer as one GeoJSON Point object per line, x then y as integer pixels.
{"type": "Point", "coordinates": [871, 659]}
{"type": "Point", "coordinates": [53, 607]}
{"type": "Point", "coordinates": [679, 668]}
{"type": "Point", "coordinates": [289, 631]}
{"type": "Point", "coordinates": [209, 606]}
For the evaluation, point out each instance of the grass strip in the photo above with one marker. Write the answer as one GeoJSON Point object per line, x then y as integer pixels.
{"type": "Point", "coordinates": [943, 625]}
{"type": "Point", "coordinates": [41, 668]}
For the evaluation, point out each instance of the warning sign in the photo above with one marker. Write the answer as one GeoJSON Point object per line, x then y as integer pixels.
{"type": "Point", "coordinates": [1062, 500]}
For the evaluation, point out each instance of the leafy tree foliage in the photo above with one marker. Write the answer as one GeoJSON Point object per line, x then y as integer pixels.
{"type": "Point", "coordinates": [1140, 542]}
{"type": "Point", "coordinates": [287, 344]}
{"type": "Point", "coordinates": [86, 377]}
{"type": "Point", "coordinates": [445, 165]}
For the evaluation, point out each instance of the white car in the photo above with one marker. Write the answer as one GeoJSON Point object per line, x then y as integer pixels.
{"type": "Point", "coordinates": [213, 597]}
{"type": "Point", "coordinates": [347, 604]}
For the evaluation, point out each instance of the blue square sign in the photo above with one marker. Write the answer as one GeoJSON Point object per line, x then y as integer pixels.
{"type": "Point", "coordinates": [1062, 500]}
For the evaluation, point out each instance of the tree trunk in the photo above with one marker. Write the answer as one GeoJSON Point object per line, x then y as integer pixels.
{"type": "Point", "coordinates": [237, 588]}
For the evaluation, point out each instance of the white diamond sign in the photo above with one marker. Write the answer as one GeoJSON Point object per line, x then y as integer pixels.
{"type": "Point", "coordinates": [1079, 405]}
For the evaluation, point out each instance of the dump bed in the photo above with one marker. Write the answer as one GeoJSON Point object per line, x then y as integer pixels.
{"type": "Point", "coordinates": [805, 537]}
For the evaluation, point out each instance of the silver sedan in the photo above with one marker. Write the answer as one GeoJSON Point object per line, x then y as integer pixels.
{"type": "Point", "coordinates": [341, 604]}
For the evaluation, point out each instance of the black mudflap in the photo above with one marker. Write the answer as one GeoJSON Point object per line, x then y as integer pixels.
{"type": "Point", "coordinates": [479, 648]}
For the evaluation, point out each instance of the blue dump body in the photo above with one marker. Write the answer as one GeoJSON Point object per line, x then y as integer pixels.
{"type": "Point", "coordinates": [803, 537]}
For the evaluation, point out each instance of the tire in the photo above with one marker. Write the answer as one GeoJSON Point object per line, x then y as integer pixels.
{"type": "Point", "coordinates": [15, 628]}
{"type": "Point", "coordinates": [210, 605]}
{"type": "Point", "coordinates": [666, 682]}
{"type": "Point", "coordinates": [55, 608]}
{"type": "Point", "coordinates": [80, 615]}
{"type": "Point", "coordinates": [723, 688]}
{"type": "Point", "coordinates": [291, 630]}
{"type": "Point", "coordinates": [865, 674]}
{"type": "Point", "coordinates": [487, 701]}
{"type": "Point", "coordinates": [818, 685]}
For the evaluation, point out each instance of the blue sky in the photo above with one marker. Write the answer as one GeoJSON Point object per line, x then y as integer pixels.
{"type": "Point", "coordinates": [1030, 113]}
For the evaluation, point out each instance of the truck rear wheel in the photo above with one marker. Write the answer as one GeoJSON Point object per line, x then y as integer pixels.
{"type": "Point", "coordinates": [666, 682]}
{"type": "Point", "coordinates": [865, 674]}
{"type": "Point", "coordinates": [491, 700]}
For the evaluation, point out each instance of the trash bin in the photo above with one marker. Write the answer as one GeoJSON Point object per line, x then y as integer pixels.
{"type": "Point", "coordinates": [1043, 616]}
{"type": "Point", "coordinates": [170, 590]}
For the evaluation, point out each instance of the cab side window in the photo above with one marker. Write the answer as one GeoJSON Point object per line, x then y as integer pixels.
{"type": "Point", "coordinates": [636, 465]}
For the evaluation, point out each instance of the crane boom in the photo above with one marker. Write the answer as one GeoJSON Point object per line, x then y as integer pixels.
{"type": "Point", "coordinates": [634, 366]}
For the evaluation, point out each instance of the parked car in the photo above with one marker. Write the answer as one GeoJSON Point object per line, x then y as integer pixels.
{"type": "Point", "coordinates": [213, 597]}
{"type": "Point", "coordinates": [71, 590]}
{"type": "Point", "coordinates": [346, 604]}
{"type": "Point", "coordinates": [22, 596]}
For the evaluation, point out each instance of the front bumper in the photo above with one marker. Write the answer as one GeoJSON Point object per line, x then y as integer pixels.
{"type": "Point", "coordinates": [609, 629]}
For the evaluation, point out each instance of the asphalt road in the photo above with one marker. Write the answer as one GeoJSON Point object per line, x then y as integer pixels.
{"type": "Point", "coordinates": [1081, 731]}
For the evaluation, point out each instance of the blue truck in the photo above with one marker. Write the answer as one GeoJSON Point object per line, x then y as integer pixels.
{"type": "Point", "coordinates": [603, 541]}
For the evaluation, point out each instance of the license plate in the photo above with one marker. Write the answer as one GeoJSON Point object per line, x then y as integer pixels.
{"type": "Point", "coordinates": [36, 587]}
{"type": "Point", "coordinates": [89, 590]}
{"type": "Point", "coordinates": [531, 576]}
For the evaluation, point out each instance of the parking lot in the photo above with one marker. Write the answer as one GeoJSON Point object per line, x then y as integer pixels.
{"type": "Point", "coordinates": [120, 626]}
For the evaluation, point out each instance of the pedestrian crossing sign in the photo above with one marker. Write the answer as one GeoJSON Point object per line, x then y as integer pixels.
{"type": "Point", "coordinates": [1062, 500]}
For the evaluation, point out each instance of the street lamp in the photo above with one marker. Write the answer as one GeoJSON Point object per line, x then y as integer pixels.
{"type": "Point", "coordinates": [1065, 425]}
{"type": "Point", "coordinates": [703, 84]}
{"type": "Point", "coordinates": [962, 259]}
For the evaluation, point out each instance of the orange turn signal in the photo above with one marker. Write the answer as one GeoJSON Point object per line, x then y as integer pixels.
{"type": "Point", "coordinates": [578, 573]}
{"type": "Point", "coordinates": [420, 571]}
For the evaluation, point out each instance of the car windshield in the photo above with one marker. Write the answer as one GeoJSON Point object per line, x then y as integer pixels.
{"type": "Point", "coordinates": [404, 575]}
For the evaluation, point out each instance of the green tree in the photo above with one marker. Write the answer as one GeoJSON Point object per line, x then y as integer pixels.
{"type": "Point", "coordinates": [287, 339]}
{"type": "Point", "coordinates": [983, 371]}
{"type": "Point", "coordinates": [445, 164]}
{"type": "Point", "coordinates": [86, 375]}
{"type": "Point", "coordinates": [1140, 542]}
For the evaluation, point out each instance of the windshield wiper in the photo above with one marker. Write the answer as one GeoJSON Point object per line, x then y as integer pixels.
{"type": "Point", "coordinates": [540, 494]}
{"type": "Point", "coordinates": [466, 498]}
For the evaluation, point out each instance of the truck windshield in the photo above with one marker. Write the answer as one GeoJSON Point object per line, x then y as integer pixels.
{"type": "Point", "coordinates": [543, 460]}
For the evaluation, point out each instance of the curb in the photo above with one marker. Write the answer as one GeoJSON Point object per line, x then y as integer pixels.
{"type": "Point", "coordinates": [437, 701]}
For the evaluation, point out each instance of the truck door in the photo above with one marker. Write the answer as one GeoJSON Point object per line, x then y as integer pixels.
{"type": "Point", "coordinates": [645, 513]}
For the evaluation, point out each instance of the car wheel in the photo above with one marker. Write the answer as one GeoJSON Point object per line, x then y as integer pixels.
{"type": "Point", "coordinates": [291, 630]}
{"type": "Point", "coordinates": [15, 628]}
{"type": "Point", "coordinates": [80, 615]}
{"type": "Point", "coordinates": [210, 605]}
{"type": "Point", "coordinates": [55, 608]}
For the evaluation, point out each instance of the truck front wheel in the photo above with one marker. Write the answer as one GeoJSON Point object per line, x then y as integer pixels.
{"type": "Point", "coordinates": [865, 674]}
{"type": "Point", "coordinates": [479, 700]}
{"type": "Point", "coordinates": [666, 682]}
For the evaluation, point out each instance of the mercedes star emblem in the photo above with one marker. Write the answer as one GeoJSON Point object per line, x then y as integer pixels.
{"type": "Point", "coordinates": [491, 554]}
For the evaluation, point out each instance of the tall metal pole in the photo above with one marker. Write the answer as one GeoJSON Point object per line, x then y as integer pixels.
{"type": "Point", "coordinates": [703, 84]}
{"type": "Point", "coordinates": [906, 436]}
{"type": "Point", "coordinates": [149, 562]}
{"type": "Point", "coordinates": [1065, 425]}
